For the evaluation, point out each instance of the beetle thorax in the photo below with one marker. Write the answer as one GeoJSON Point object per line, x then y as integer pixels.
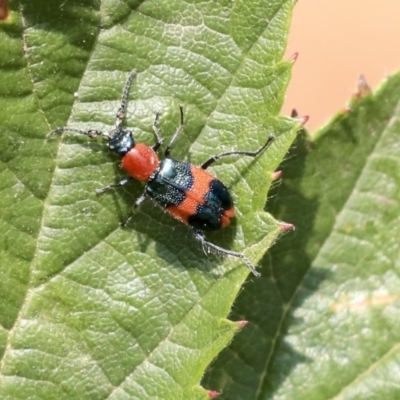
{"type": "Point", "coordinates": [140, 162]}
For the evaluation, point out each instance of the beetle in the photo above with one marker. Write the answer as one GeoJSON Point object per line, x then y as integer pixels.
{"type": "Point", "coordinates": [187, 192]}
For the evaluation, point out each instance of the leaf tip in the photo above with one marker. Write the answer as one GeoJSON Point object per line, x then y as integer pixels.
{"type": "Point", "coordinates": [212, 394]}
{"type": "Point", "coordinates": [276, 175]}
{"type": "Point", "coordinates": [303, 120]}
{"type": "Point", "coordinates": [347, 110]}
{"type": "Point", "coordinates": [241, 324]}
{"type": "Point", "coordinates": [286, 227]}
{"type": "Point", "coordinates": [293, 57]}
{"type": "Point", "coordinates": [363, 89]}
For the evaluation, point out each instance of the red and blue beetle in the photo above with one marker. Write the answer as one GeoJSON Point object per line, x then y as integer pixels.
{"type": "Point", "coordinates": [188, 192]}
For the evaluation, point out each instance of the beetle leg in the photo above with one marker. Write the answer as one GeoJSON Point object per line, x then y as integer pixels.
{"type": "Point", "coordinates": [210, 248]}
{"type": "Point", "coordinates": [137, 203]}
{"type": "Point", "coordinates": [253, 154]}
{"type": "Point", "coordinates": [140, 199]}
{"type": "Point", "coordinates": [157, 132]}
{"type": "Point", "coordinates": [178, 131]}
{"type": "Point", "coordinates": [116, 185]}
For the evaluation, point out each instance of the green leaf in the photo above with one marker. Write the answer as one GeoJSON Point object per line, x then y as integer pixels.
{"type": "Point", "coordinates": [90, 310]}
{"type": "Point", "coordinates": [325, 319]}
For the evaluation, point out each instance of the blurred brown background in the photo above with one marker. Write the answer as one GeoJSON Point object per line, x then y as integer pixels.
{"type": "Point", "coordinates": [337, 41]}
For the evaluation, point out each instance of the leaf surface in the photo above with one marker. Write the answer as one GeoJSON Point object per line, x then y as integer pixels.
{"type": "Point", "coordinates": [91, 310]}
